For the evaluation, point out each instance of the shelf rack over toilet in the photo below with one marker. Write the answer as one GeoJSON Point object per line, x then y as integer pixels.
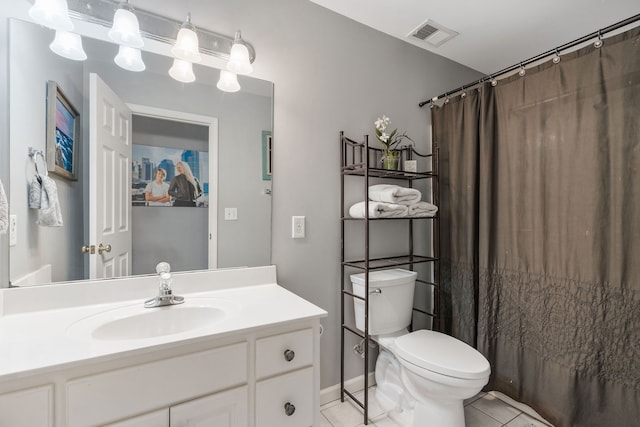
{"type": "Point", "coordinates": [360, 160]}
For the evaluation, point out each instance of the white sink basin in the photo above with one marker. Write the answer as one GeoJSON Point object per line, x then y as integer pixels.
{"type": "Point", "coordinates": [135, 322]}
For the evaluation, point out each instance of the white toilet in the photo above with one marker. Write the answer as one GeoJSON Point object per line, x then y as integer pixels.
{"type": "Point", "coordinates": [422, 377]}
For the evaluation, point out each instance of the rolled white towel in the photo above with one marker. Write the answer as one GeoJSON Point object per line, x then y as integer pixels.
{"type": "Point", "coordinates": [379, 210]}
{"type": "Point", "coordinates": [422, 209]}
{"type": "Point", "coordinates": [394, 194]}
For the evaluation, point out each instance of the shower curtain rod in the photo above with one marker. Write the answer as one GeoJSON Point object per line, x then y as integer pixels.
{"type": "Point", "coordinates": [557, 50]}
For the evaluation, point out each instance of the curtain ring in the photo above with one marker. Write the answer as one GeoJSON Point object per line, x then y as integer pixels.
{"type": "Point", "coordinates": [598, 43]}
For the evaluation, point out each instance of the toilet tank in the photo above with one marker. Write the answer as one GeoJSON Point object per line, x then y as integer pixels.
{"type": "Point", "coordinates": [390, 300]}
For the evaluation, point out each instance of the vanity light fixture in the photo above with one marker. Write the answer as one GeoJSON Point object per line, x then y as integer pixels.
{"type": "Point", "coordinates": [186, 46]}
{"type": "Point", "coordinates": [182, 71]}
{"type": "Point", "coordinates": [130, 59]}
{"type": "Point", "coordinates": [228, 81]}
{"type": "Point", "coordinates": [239, 63]}
{"type": "Point", "coordinates": [53, 14]}
{"type": "Point", "coordinates": [68, 45]}
{"type": "Point", "coordinates": [126, 29]}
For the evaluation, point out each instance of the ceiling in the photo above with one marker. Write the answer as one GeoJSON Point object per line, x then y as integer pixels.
{"type": "Point", "coordinates": [493, 34]}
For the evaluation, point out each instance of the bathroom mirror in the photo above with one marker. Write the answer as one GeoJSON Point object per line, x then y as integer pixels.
{"type": "Point", "coordinates": [231, 129]}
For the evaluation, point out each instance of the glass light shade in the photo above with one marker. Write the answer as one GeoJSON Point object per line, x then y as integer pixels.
{"type": "Point", "coordinates": [68, 45]}
{"type": "Point", "coordinates": [228, 82]}
{"type": "Point", "coordinates": [126, 29]}
{"type": "Point", "coordinates": [130, 59]}
{"type": "Point", "coordinates": [186, 46]}
{"type": "Point", "coordinates": [239, 62]}
{"type": "Point", "coordinates": [53, 14]}
{"type": "Point", "coordinates": [182, 71]}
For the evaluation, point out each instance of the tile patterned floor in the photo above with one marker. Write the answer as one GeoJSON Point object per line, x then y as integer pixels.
{"type": "Point", "coordinates": [483, 410]}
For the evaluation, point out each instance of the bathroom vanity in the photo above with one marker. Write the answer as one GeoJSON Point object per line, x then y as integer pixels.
{"type": "Point", "coordinates": [241, 351]}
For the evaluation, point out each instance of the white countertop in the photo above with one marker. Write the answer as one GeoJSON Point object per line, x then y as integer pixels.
{"type": "Point", "coordinates": [40, 336]}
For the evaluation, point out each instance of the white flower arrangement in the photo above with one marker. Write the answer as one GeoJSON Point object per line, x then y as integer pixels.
{"type": "Point", "coordinates": [391, 140]}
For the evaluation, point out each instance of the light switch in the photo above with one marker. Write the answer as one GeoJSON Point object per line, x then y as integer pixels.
{"type": "Point", "coordinates": [297, 227]}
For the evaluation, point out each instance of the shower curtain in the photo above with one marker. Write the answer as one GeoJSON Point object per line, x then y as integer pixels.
{"type": "Point", "coordinates": [540, 232]}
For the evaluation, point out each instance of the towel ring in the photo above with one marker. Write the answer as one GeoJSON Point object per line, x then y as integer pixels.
{"type": "Point", "coordinates": [33, 153]}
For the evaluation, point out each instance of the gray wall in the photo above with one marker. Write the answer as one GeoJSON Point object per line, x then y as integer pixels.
{"type": "Point", "coordinates": [330, 74]}
{"type": "Point", "coordinates": [177, 235]}
{"type": "Point", "coordinates": [37, 246]}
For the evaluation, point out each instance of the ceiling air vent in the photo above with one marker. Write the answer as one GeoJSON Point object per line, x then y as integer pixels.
{"type": "Point", "coordinates": [433, 33]}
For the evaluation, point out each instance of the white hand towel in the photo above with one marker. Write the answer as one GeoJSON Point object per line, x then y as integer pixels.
{"type": "Point", "coordinates": [378, 210]}
{"type": "Point", "coordinates": [422, 209]}
{"type": "Point", "coordinates": [38, 198]}
{"type": "Point", "coordinates": [4, 211]}
{"type": "Point", "coordinates": [52, 215]}
{"type": "Point", "coordinates": [394, 194]}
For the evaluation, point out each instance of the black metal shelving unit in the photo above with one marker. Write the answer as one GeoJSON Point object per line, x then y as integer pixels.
{"type": "Point", "coordinates": [358, 159]}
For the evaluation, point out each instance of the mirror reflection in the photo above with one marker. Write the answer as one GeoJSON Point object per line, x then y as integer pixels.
{"type": "Point", "coordinates": [231, 226]}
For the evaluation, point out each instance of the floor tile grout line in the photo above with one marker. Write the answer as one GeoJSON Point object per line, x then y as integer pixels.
{"type": "Point", "coordinates": [497, 420]}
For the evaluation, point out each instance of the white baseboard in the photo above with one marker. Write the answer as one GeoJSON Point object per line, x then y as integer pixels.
{"type": "Point", "coordinates": [353, 385]}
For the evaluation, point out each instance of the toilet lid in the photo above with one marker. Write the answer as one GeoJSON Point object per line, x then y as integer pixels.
{"type": "Point", "coordinates": [442, 354]}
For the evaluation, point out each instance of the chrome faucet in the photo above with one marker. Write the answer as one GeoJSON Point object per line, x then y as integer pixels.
{"type": "Point", "coordinates": [165, 296]}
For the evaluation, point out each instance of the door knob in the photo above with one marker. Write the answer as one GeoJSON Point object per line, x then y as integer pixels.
{"type": "Point", "coordinates": [102, 248]}
{"type": "Point", "coordinates": [89, 249]}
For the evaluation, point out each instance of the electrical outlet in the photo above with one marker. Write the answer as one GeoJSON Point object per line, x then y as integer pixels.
{"type": "Point", "coordinates": [297, 227]}
{"type": "Point", "coordinates": [230, 214]}
{"type": "Point", "coordinates": [13, 230]}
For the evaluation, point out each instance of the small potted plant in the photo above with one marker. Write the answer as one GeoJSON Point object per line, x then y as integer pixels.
{"type": "Point", "coordinates": [392, 142]}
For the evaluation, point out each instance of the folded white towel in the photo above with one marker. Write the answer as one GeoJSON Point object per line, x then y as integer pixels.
{"type": "Point", "coordinates": [394, 194]}
{"type": "Point", "coordinates": [4, 211]}
{"type": "Point", "coordinates": [378, 210]}
{"type": "Point", "coordinates": [422, 209]}
{"type": "Point", "coordinates": [50, 216]}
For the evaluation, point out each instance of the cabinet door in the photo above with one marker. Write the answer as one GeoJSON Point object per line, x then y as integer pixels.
{"type": "Point", "coordinates": [286, 400]}
{"type": "Point", "coordinates": [27, 408]}
{"type": "Point", "coordinates": [155, 419]}
{"type": "Point", "coordinates": [226, 409]}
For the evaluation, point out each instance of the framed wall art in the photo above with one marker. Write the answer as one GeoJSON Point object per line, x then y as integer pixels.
{"type": "Point", "coordinates": [63, 133]}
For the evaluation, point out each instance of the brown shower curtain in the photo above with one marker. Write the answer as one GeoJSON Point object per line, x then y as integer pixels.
{"type": "Point", "coordinates": [540, 237]}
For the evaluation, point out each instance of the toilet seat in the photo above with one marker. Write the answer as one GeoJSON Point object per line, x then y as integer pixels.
{"type": "Point", "coordinates": [442, 354]}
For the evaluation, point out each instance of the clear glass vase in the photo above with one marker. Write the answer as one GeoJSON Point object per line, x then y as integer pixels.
{"type": "Point", "coordinates": [391, 160]}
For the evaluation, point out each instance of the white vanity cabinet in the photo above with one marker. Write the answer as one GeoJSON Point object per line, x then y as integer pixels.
{"type": "Point", "coordinates": [257, 366]}
{"type": "Point", "coordinates": [269, 378]}
{"type": "Point", "coordinates": [27, 408]}
{"type": "Point", "coordinates": [154, 419]}
{"type": "Point", "coordinates": [226, 409]}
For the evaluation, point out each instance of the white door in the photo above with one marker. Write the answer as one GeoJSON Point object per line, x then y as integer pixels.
{"type": "Point", "coordinates": [109, 182]}
{"type": "Point", "coordinates": [225, 409]}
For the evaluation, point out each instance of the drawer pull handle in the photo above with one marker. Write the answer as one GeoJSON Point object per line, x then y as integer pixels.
{"type": "Point", "coordinates": [289, 409]}
{"type": "Point", "coordinates": [289, 355]}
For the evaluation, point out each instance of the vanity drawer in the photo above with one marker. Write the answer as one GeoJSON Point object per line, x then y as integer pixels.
{"type": "Point", "coordinates": [106, 397]}
{"type": "Point", "coordinates": [286, 400]}
{"type": "Point", "coordinates": [284, 352]}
